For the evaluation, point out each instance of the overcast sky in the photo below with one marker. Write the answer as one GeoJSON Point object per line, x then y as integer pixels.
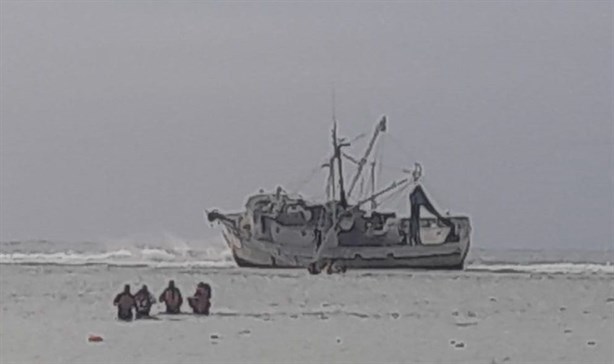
{"type": "Point", "coordinates": [122, 118]}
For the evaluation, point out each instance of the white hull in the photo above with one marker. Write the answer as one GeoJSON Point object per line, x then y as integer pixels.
{"type": "Point", "coordinates": [267, 254]}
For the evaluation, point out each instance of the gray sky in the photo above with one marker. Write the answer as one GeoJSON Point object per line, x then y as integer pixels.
{"type": "Point", "coordinates": [121, 118]}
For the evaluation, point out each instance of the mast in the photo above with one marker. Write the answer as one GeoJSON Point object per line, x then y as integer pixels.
{"type": "Point", "coordinates": [332, 178]}
{"type": "Point", "coordinates": [381, 127]}
{"type": "Point", "coordinates": [337, 145]}
{"type": "Point", "coordinates": [330, 188]}
{"type": "Point", "coordinates": [329, 181]}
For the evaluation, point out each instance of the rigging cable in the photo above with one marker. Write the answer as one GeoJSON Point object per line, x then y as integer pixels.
{"type": "Point", "coordinates": [399, 145]}
{"type": "Point", "coordinates": [296, 185]}
{"type": "Point", "coordinates": [440, 197]}
{"type": "Point", "coordinates": [395, 194]}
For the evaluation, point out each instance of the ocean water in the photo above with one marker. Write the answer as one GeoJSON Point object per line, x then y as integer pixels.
{"type": "Point", "coordinates": [506, 307]}
{"type": "Point", "coordinates": [213, 253]}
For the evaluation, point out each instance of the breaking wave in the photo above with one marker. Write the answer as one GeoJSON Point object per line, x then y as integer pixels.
{"type": "Point", "coordinates": [541, 261]}
{"type": "Point", "coordinates": [147, 257]}
{"type": "Point", "coordinates": [172, 252]}
{"type": "Point", "coordinates": [566, 268]}
{"type": "Point", "coordinates": [166, 252]}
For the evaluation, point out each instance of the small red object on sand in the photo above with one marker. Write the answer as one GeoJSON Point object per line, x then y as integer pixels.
{"type": "Point", "coordinates": [94, 339]}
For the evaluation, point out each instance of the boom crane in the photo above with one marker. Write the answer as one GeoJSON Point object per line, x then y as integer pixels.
{"type": "Point", "coordinates": [381, 127]}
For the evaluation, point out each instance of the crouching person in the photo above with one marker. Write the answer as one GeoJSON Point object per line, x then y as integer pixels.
{"type": "Point", "coordinates": [171, 297]}
{"type": "Point", "coordinates": [201, 301]}
{"type": "Point", "coordinates": [144, 300]}
{"type": "Point", "coordinates": [124, 302]}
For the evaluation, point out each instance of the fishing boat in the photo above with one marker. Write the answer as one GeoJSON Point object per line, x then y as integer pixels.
{"type": "Point", "coordinates": [284, 230]}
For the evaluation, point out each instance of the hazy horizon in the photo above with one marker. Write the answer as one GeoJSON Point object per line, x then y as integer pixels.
{"type": "Point", "coordinates": [129, 119]}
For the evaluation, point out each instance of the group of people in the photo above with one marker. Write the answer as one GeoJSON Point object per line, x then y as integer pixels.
{"type": "Point", "coordinates": [142, 301]}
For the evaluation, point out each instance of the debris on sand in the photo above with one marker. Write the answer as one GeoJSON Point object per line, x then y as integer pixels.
{"type": "Point", "coordinates": [457, 344]}
{"type": "Point", "coordinates": [94, 339]}
{"type": "Point", "coordinates": [465, 320]}
{"type": "Point", "coordinates": [466, 324]}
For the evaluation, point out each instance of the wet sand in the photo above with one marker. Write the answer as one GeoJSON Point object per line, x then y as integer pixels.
{"type": "Point", "coordinates": [48, 312]}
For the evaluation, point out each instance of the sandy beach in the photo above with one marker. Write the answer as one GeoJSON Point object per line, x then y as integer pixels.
{"type": "Point", "coordinates": [280, 316]}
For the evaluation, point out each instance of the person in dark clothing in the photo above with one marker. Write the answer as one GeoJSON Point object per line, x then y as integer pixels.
{"type": "Point", "coordinates": [144, 300]}
{"type": "Point", "coordinates": [124, 302]}
{"type": "Point", "coordinates": [201, 301]}
{"type": "Point", "coordinates": [171, 297]}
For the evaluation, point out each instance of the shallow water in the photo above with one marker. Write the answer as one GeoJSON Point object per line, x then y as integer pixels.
{"type": "Point", "coordinates": [176, 253]}
{"type": "Point", "coordinates": [290, 316]}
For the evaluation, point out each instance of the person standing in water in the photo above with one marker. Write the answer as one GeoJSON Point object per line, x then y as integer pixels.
{"type": "Point", "coordinates": [201, 301]}
{"type": "Point", "coordinates": [125, 302]}
{"type": "Point", "coordinates": [171, 297]}
{"type": "Point", "coordinates": [144, 300]}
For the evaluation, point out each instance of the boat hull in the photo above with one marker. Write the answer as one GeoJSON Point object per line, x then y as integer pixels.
{"type": "Point", "coordinates": [266, 254]}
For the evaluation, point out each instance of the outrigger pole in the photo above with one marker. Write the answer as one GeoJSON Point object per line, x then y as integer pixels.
{"type": "Point", "coordinates": [392, 186]}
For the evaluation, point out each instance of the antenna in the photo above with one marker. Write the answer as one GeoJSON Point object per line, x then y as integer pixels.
{"type": "Point", "coordinates": [334, 105]}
